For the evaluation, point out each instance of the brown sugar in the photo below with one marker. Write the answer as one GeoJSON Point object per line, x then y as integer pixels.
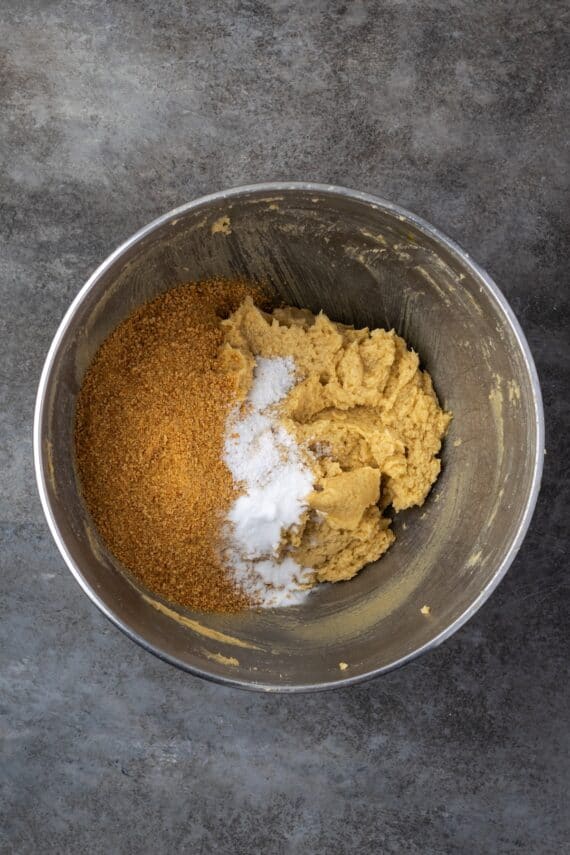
{"type": "Point", "coordinates": [149, 439]}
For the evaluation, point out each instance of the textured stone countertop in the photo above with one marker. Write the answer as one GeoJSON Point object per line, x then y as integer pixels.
{"type": "Point", "coordinates": [115, 112]}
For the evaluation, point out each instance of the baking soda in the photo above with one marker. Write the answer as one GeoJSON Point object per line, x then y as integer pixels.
{"type": "Point", "coordinates": [264, 459]}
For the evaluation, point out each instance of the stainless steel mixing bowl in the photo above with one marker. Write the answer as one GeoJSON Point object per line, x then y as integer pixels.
{"type": "Point", "coordinates": [364, 262]}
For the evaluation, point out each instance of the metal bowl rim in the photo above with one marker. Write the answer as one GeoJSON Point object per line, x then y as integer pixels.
{"type": "Point", "coordinates": [376, 203]}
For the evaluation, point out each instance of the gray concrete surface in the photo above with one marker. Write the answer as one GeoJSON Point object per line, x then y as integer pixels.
{"type": "Point", "coordinates": [114, 112]}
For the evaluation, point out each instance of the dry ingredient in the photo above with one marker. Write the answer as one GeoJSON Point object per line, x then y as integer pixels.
{"type": "Point", "coordinates": [150, 428]}
{"type": "Point", "coordinates": [266, 462]}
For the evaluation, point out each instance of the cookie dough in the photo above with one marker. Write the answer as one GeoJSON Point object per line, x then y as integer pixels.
{"type": "Point", "coordinates": [365, 414]}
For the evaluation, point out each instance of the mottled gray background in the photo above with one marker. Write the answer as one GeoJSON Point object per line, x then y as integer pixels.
{"type": "Point", "coordinates": [113, 113]}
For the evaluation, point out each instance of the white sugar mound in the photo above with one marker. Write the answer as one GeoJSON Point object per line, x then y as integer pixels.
{"type": "Point", "coordinates": [265, 461]}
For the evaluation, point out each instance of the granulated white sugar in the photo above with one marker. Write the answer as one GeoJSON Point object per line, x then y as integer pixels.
{"type": "Point", "coordinates": [266, 462]}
